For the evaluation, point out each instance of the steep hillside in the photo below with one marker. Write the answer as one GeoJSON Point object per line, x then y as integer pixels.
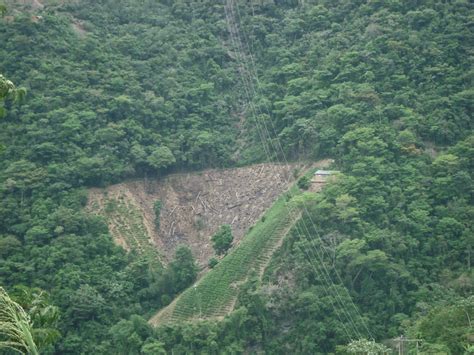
{"type": "Point", "coordinates": [195, 205]}
{"type": "Point", "coordinates": [123, 90]}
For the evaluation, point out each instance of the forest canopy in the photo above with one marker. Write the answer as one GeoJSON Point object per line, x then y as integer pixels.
{"type": "Point", "coordinates": [144, 88]}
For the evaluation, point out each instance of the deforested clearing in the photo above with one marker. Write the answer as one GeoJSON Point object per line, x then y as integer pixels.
{"type": "Point", "coordinates": [195, 205]}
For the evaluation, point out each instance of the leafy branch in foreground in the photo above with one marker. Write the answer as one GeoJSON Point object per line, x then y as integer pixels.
{"type": "Point", "coordinates": [15, 326]}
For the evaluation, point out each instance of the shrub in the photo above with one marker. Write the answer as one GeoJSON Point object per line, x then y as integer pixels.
{"type": "Point", "coordinates": [212, 262]}
{"type": "Point", "coordinates": [222, 240]}
{"type": "Point", "coordinates": [304, 183]}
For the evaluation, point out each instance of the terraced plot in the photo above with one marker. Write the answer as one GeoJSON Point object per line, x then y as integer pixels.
{"type": "Point", "coordinates": [214, 296]}
{"type": "Point", "coordinates": [125, 221]}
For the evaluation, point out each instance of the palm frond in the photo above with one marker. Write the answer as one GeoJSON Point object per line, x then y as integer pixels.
{"type": "Point", "coordinates": [15, 326]}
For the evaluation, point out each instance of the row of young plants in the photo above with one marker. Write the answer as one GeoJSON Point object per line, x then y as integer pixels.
{"type": "Point", "coordinates": [128, 220]}
{"type": "Point", "coordinates": [213, 294]}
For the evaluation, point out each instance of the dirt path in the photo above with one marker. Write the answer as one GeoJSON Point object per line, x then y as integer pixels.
{"type": "Point", "coordinates": [276, 244]}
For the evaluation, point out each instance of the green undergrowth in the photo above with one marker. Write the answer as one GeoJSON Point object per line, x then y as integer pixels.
{"type": "Point", "coordinates": [128, 223]}
{"type": "Point", "coordinates": [214, 295]}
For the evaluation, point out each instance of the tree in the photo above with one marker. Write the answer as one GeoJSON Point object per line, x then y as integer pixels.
{"type": "Point", "coordinates": [304, 182]}
{"type": "Point", "coordinates": [183, 268]}
{"type": "Point", "coordinates": [154, 348]}
{"type": "Point", "coordinates": [129, 335]}
{"type": "Point", "coordinates": [212, 262]}
{"type": "Point", "coordinates": [86, 303]}
{"type": "Point", "coordinates": [161, 157]}
{"type": "Point", "coordinates": [8, 245]}
{"type": "Point", "coordinates": [366, 347]}
{"type": "Point", "coordinates": [447, 326]}
{"type": "Point", "coordinates": [222, 240]}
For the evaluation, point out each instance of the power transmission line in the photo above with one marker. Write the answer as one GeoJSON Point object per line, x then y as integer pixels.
{"type": "Point", "coordinates": [284, 157]}
{"type": "Point", "coordinates": [338, 297]}
{"type": "Point", "coordinates": [247, 81]}
{"type": "Point", "coordinates": [238, 45]}
{"type": "Point", "coordinates": [249, 87]}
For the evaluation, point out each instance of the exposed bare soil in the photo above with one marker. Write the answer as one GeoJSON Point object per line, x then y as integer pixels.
{"type": "Point", "coordinates": [195, 205]}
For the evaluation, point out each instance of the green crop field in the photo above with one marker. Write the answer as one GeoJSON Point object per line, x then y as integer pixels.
{"type": "Point", "coordinates": [128, 223]}
{"type": "Point", "coordinates": [214, 295]}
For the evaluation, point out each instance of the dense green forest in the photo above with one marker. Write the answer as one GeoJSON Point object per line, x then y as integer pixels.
{"type": "Point", "coordinates": [129, 88]}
